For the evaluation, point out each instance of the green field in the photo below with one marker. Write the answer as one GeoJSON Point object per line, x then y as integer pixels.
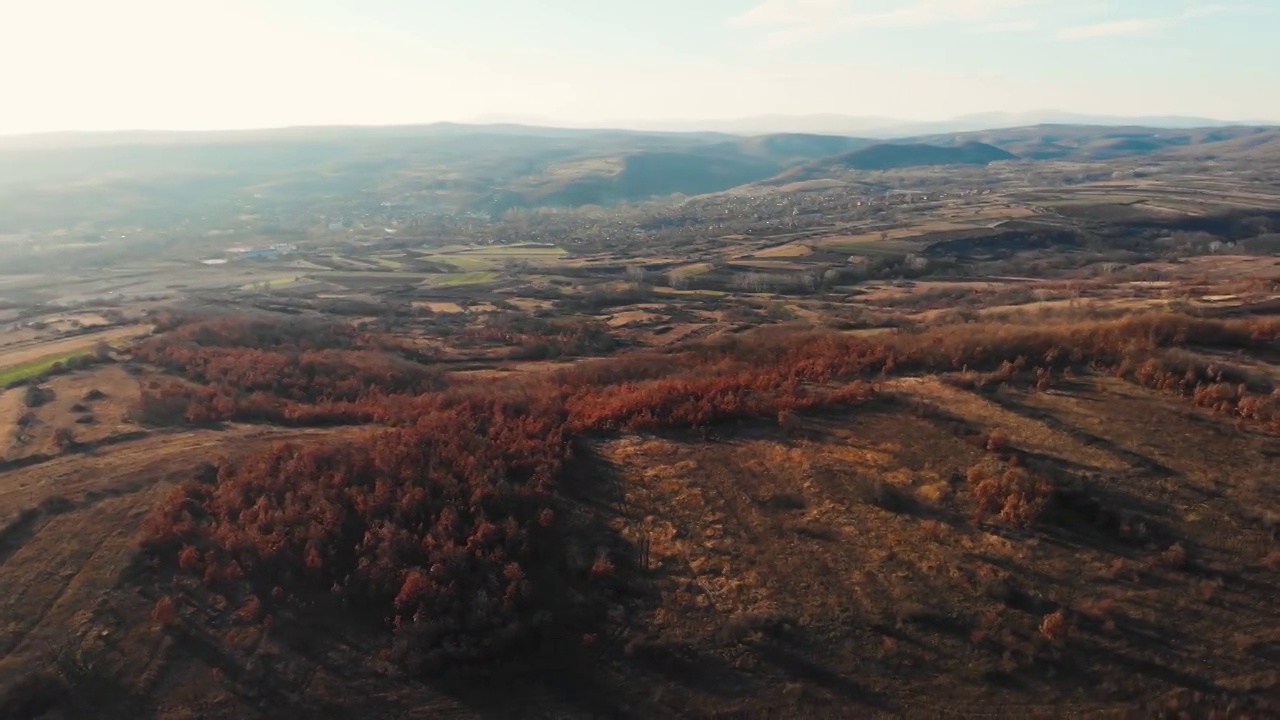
{"type": "Point", "coordinates": [352, 262]}
{"type": "Point", "coordinates": [273, 282]}
{"type": "Point", "coordinates": [518, 250]}
{"type": "Point", "coordinates": [690, 270]}
{"type": "Point", "coordinates": [35, 368]}
{"type": "Point", "coordinates": [466, 278]}
{"type": "Point", "coordinates": [463, 262]}
{"type": "Point", "coordinates": [872, 248]}
{"type": "Point", "coordinates": [480, 258]}
{"type": "Point", "coordinates": [390, 277]}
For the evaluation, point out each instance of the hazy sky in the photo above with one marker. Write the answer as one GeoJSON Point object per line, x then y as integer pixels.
{"type": "Point", "coordinates": [196, 64]}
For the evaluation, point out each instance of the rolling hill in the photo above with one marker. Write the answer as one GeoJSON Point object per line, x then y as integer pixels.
{"type": "Point", "coordinates": [797, 147]}
{"type": "Point", "coordinates": [57, 181]}
{"type": "Point", "coordinates": [1263, 145]}
{"type": "Point", "coordinates": [1094, 142]}
{"type": "Point", "coordinates": [639, 175]}
{"type": "Point", "coordinates": [714, 167]}
{"type": "Point", "coordinates": [898, 128]}
{"type": "Point", "coordinates": [890, 156]}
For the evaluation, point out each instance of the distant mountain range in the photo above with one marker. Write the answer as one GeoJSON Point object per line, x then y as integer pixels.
{"type": "Point", "coordinates": [884, 127]}
{"type": "Point", "coordinates": [862, 127]}
{"type": "Point", "coordinates": [57, 180]}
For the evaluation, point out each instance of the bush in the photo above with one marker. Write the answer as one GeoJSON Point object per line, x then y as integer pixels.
{"type": "Point", "coordinates": [997, 441]}
{"type": "Point", "coordinates": [36, 396]}
{"type": "Point", "coordinates": [1054, 625]}
{"type": "Point", "coordinates": [1174, 557]}
{"type": "Point", "coordinates": [63, 438]}
{"type": "Point", "coordinates": [1013, 497]}
{"type": "Point", "coordinates": [165, 612]}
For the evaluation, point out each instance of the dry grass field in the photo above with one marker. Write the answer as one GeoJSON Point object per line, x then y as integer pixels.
{"type": "Point", "coordinates": [823, 564]}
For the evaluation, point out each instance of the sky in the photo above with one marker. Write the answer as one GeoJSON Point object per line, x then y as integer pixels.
{"type": "Point", "coordinates": [222, 64]}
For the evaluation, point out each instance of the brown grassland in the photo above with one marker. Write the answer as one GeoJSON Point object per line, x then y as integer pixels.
{"type": "Point", "coordinates": [1069, 515]}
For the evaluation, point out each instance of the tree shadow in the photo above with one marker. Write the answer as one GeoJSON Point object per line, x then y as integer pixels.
{"type": "Point", "coordinates": [1139, 461]}
{"type": "Point", "coordinates": [787, 654]}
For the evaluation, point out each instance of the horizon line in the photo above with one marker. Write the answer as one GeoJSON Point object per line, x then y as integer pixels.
{"type": "Point", "coordinates": [669, 125]}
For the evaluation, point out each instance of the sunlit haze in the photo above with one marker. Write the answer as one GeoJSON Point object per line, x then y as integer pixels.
{"type": "Point", "coordinates": [198, 64]}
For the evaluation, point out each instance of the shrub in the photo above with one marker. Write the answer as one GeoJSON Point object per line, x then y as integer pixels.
{"type": "Point", "coordinates": [997, 441]}
{"type": "Point", "coordinates": [1173, 557]}
{"type": "Point", "coordinates": [602, 567]}
{"type": "Point", "coordinates": [1013, 497]}
{"type": "Point", "coordinates": [63, 438]}
{"type": "Point", "coordinates": [165, 612]}
{"type": "Point", "coordinates": [1054, 625]}
{"type": "Point", "coordinates": [251, 611]}
{"type": "Point", "coordinates": [35, 396]}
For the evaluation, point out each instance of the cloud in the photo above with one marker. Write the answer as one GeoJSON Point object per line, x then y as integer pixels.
{"type": "Point", "coordinates": [1134, 26]}
{"type": "Point", "coordinates": [791, 21]}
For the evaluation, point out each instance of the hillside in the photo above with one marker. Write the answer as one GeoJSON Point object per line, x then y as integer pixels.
{"type": "Point", "coordinates": [654, 173]}
{"type": "Point", "coordinates": [636, 176]}
{"type": "Point", "coordinates": [1260, 146]}
{"type": "Point", "coordinates": [1022, 516]}
{"type": "Point", "coordinates": [796, 147]}
{"type": "Point", "coordinates": [57, 182]}
{"type": "Point", "coordinates": [1093, 142]}
{"type": "Point", "coordinates": [885, 127]}
{"type": "Point", "coordinates": [889, 156]}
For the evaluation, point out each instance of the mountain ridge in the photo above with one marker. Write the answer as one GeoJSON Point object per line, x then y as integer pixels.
{"type": "Point", "coordinates": [886, 127]}
{"type": "Point", "coordinates": [832, 124]}
{"type": "Point", "coordinates": [453, 167]}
